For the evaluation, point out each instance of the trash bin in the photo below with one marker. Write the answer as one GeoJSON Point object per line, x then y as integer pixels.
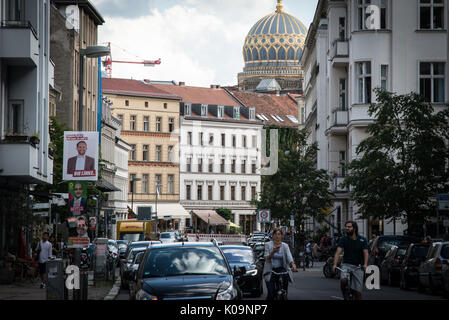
{"type": "Point", "coordinates": [55, 279]}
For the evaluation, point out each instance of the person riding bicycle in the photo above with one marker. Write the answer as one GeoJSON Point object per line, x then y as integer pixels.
{"type": "Point", "coordinates": [278, 258]}
{"type": "Point", "coordinates": [355, 249]}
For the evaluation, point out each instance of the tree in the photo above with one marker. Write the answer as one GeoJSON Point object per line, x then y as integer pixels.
{"type": "Point", "coordinates": [402, 164]}
{"type": "Point", "coordinates": [298, 188]}
{"type": "Point", "coordinates": [225, 213]}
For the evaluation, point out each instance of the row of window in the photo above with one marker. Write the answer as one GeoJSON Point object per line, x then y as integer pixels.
{"type": "Point", "coordinates": [146, 103]}
{"type": "Point", "coordinates": [211, 138]}
{"type": "Point", "coordinates": [146, 153]}
{"type": "Point", "coordinates": [431, 82]}
{"type": "Point", "coordinates": [220, 111]}
{"type": "Point", "coordinates": [133, 123]}
{"type": "Point", "coordinates": [207, 193]}
{"type": "Point", "coordinates": [200, 166]}
{"type": "Point", "coordinates": [144, 183]}
{"type": "Point", "coordinates": [431, 15]}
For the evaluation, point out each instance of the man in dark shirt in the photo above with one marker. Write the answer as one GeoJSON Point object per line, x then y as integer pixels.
{"type": "Point", "coordinates": [355, 248]}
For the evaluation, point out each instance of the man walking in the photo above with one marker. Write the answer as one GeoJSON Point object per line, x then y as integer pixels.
{"type": "Point", "coordinates": [44, 250]}
{"type": "Point", "coordinates": [355, 249]}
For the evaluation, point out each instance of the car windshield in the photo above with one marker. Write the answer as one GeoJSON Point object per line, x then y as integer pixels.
{"type": "Point", "coordinates": [122, 242]}
{"type": "Point", "coordinates": [388, 243]}
{"type": "Point", "coordinates": [133, 253]}
{"type": "Point", "coordinates": [401, 252]}
{"type": "Point", "coordinates": [167, 235]}
{"type": "Point", "coordinates": [419, 251]}
{"type": "Point", "coordinates": [238, 255]}
{"type": "Point", "coordinates": [131, 237]}
{"type": "Point", "coordinates": [445, 252]}
{"type": "Point", "coordinates": [177, 261]}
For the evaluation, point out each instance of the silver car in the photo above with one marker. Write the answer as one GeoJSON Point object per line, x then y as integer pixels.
{"type": "Point", "coordinates": [431, 270]}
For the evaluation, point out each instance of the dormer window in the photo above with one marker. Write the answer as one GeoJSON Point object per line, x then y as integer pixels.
{"type": "Point", "coordinates": [252, 114]}
{"type": "Point", "coordinates": [237, 113]}
{"type": "Point", "coordinates": [187, 109]}
{"type": "Point", "coordinates": [204, 110]}
{"type": "Point", "coordinates": [220, 113]}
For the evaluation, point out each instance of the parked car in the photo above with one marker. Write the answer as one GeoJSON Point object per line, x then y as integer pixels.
{"type": "Point", "coordinates": [254, 240]}
{"type": "Point", "coordinates": [391, 265]}
{"type": "Point", "coordinates": [126, 266]}
{"type": "Point", "coordinates": [431, 270]}
{"type": "Point", "coordinates": [132, 271]}
{"type": "Point", "coordinates": [382, 244]}
{"type": "Point", "coordinates": [169, 237]}
{"type": "Point", "coordinates": [186, 271]}
{"type": "Point", "coordinates": [415, 255]}
{"type": "Point", "coordinates": [242, 256]}
{"type": "Point", "coordinates": [259, 250]}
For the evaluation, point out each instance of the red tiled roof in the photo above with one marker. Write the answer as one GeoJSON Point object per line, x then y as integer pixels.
{"type": "Point", "coordinates": [199, 95]}
{"type": "Point", "coordinates": [134, 88]}
{"type": "Point", "coordinates": [270, 104]}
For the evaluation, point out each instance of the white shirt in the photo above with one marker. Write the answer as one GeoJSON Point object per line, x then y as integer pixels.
{"type": "Point", "coordinates": [46, 251]}
{"type": "Point", "coordinates": [80, 161]}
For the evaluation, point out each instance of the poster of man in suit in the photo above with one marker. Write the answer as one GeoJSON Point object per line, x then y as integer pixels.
{"type": "Point", "coordinates": [80, 156]}
{"type": "Point", "coordinates": [77, 197]}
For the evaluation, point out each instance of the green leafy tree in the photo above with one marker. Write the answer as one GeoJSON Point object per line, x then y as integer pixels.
{"type": "Point", "coordinates": [298, 188]}
{"type": "Point", "coordinates": [401, 165]}
{"type": "Point", "coordinates": [225, 213]}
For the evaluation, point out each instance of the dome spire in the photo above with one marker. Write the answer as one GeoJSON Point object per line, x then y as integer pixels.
{"type": "Point", "coordinates": [279, 7]}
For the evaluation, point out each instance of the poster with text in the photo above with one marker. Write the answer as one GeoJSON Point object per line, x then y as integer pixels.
{"type": "Point", "coordinates": [80, 160]}
{"type": "Point", "coordinates": [77, 197]}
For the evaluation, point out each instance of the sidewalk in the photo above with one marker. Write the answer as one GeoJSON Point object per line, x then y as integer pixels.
{"type": "Point", "coordinates": [31, 291]}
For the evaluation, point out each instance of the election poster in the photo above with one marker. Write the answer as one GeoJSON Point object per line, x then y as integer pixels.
{"type": "Point", "coordinates": [80, 160]}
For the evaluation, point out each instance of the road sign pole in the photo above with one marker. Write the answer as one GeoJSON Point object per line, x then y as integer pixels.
{"type": "Point", "coordinates": [438, 219]}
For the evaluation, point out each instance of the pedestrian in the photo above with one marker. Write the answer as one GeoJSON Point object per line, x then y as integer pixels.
{"type": "Point", "coordinates": [355, 248]}
{"type": "Point", "coordinates": [278, 258]}
{"type": "Point", "coordinates": [44, 252]}
{"type": "Point", "coordinates": [54, 244]}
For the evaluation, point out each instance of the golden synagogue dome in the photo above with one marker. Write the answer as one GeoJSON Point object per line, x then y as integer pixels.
{"type": "Point", "coordinates": [275, 40]}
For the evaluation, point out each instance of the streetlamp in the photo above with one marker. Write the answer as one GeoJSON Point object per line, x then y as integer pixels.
{"type": "Point", "coordinates": [89, 52]}
{"type": "Point", "coordinates": [132, 193]}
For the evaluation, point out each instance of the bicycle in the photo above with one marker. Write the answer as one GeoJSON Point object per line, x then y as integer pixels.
{"type": "Point", "coordinates": [308, 260]}
{"type": "Point", "coordinates": [348, 294]}
{"type": "Point", "coordinates": [281, 293]}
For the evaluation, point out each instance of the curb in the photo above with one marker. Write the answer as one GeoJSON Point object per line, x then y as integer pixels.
{"type": "Point", "coordinates": [114, 291]}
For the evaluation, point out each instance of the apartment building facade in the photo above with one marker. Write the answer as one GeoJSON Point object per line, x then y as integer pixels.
{"type": "Point", "coordinates": [66, 41]}
{"type": "Point", "coordinates": [150, 125]}
{"type": "Point", "coordinates": [400, 46]}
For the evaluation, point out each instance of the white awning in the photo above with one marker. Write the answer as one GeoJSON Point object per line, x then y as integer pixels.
{"type": "Point", "coordinates": [173, 210]}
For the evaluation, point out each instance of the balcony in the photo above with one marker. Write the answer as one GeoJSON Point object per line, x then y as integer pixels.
{"type": "Point", "coordinates": [339, 122]}
{"type": "Point", "coordinates": [19, 160]}
{"type": "Point", "coordinates": [211, 204]}
{"type": "Point", "coordinates": [337, 185]}
{"type": "Point", "coordinates": [359, 116]}
{"type": "Point", "coordinates": [340, 53]}
{"type": "Point", "coordinates": [19, 44]}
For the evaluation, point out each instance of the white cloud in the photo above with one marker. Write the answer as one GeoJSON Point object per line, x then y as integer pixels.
{"type": "Point", "coordinates": [200, 42]}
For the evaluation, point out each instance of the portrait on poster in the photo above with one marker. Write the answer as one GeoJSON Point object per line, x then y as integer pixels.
{"type": "Point", "coordinates": [80, 156]}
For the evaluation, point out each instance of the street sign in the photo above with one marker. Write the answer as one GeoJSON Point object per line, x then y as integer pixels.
{"type": "Point", "coordinates": [264, 215]}
{"type": "Point", "coordinates": [38, 206]}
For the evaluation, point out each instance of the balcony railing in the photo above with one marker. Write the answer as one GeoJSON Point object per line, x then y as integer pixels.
{"type": "Point", "coordinates": [13, 24]}
{"type": "Point", "coordinates": [340, 53]}
{"type": "Point", "coordinates": [337, 185]}
{"type": "Point", "coordinates": [340, 117]}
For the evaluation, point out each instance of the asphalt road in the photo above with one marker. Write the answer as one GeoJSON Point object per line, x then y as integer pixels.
{"type": "Point", "coordinates": [312, 285]}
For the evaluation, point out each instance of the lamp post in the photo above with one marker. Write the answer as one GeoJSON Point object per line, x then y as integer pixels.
{"type": "Point", "coordinates": [89, 52]}
{"type": "Point", "coordinates": [132, 193]}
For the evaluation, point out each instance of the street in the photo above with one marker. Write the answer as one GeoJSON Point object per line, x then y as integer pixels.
{"type": "Point", "coordinates": [312, 285]}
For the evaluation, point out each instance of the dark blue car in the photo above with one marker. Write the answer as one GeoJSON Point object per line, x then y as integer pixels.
{"type": "Point", "coordinates": [186, 271]}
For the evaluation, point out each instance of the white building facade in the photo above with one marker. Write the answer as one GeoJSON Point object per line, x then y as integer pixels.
{"type": "Point", "coordinates": [402, 48]}
{"type": "Point", "coordinates": [220, 160]}
{"type": "Point", "coordinates": [26, 72]}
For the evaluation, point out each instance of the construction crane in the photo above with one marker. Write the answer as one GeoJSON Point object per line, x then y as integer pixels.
{"type": "Point", "coordinates": [107, 62]}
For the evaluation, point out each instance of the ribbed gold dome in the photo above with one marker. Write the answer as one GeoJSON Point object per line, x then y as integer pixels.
{"type": "Point", "coordinates": [275, 40]}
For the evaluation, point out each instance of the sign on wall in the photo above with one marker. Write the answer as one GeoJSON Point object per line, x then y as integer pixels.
{"type": "Point", "coordinates": [80, 160]}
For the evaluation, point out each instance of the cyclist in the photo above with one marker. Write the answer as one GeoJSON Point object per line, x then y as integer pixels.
{"type": "Point", "coordinates": [355, 249]}
{"type": "Point", "coordinates": [278, 258]}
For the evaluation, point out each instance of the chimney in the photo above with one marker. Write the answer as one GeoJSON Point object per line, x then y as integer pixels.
{"type": "Point", "coordinates": [278, 93]}
{"type": "Point", "coordinates": [214, 86]}
{"type": "Point", "coordinates": [182, 84]}
{"type": "Point", "coordinates": [146, 80]}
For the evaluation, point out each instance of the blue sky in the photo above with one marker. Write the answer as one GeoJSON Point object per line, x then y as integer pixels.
{"type": "Point", "coordinates": [199, 41]}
